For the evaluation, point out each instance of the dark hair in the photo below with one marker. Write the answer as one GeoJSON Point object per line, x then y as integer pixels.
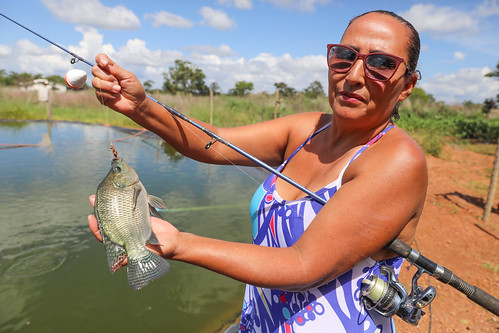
{"type": "Point", "coordinates": [413, 48]}
{"type": "Point", "coordinates": [414, 42]}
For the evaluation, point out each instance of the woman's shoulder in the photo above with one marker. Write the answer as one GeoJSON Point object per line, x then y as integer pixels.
{"type": "Point", "coordinates": [397, 150]}
{"type": "Point", "coordinates": [304, 124]}
{"type": "Point", "coordinates": [311, 118]}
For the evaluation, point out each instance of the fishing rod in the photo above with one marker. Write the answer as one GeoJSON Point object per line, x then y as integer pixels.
{"type": "Point", "coordinates": [386, 296]}
{"type": "Point", "coordinates": [176, 113]}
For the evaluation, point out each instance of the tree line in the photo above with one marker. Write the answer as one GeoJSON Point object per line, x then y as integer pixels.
{"type": "Point", "coordinates": [182, 77]}
{"type": "Point", "coordinates": [185, 77]}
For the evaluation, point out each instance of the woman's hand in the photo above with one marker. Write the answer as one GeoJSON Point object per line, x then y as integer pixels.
{"type": "Point", "coordinates": [165, 232]}
{"type": "Point", "coordinates": [118, 88]}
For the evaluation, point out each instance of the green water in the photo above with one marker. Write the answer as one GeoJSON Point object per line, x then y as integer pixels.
{"type": "Point", "coordinates": [53, 273]}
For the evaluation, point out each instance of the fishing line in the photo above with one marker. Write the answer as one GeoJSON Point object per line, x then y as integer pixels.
{"type": "Point", "coordinates": [178, 114]}
{"type": "Point", "coordinates": [104, 108]}
{"type": "Point", "coordinates": [402, 249]}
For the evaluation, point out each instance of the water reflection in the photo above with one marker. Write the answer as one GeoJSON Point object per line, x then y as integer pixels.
{"type": "Point", "coordinates": [53, 273]}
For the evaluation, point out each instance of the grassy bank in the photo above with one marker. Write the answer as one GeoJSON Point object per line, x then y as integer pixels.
{"type": "Point", "coordinates": [84, 106]}
{"type": "Point", "coordinates": [432, 124]}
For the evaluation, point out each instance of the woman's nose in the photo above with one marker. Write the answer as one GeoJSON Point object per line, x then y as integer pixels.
{"type": "Point", "coordinates": [356, 74]}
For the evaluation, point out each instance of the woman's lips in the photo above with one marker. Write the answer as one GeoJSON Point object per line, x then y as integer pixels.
{"type": "Point", "coordinates": [351, 97]}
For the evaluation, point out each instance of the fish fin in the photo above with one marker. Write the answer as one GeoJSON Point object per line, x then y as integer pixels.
{"type": "Point", "coordinates": [136, 192]}
{"type": "Point", "coordinates": [116, 255]}
{"type": "Point", "coordinates": [154, 212]}
{"type": "Point", "coordinates": [144, 270]}
{"type": "Point", "coordinates": [153, 240]}
{"type": "Point", "coordinates": [157, 203]}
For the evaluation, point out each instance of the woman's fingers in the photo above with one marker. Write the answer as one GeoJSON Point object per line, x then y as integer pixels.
{"type": "Point", "coordinates": [92, 224]}
{"type": "Point", "coordinates": [92, 221]}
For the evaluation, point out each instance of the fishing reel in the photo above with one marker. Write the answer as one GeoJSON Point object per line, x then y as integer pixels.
{"type": "Point", "coordinates": [390, 297]}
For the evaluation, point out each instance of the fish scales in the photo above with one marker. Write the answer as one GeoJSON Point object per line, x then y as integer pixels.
{"type": "Point", "coordinates": [122, 207]}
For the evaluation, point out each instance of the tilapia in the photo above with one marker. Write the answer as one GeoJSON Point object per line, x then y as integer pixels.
{"type": "Point", "coordinates": [123, 209]}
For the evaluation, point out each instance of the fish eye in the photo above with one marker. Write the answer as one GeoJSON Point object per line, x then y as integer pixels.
{"type": "Point", "coordinates": [117, 169]}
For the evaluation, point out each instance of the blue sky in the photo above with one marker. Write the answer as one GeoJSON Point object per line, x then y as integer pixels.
{"type": "Point", "coordinates": [259, 41]}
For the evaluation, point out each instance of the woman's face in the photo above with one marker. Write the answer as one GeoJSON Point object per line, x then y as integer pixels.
{"type": "Point", "coordinates": [354, 96]}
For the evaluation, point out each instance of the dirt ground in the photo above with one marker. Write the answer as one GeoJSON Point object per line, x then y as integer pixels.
{"type": "Point", "coordinates": [452, 234]}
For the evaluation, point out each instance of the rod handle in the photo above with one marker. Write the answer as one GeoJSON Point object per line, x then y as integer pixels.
{"type": "Point", "coordinates": [445, 275]}
{"type": "Point", "coordinates": [475, 294]}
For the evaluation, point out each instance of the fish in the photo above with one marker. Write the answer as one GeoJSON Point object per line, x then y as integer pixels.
{"type": "Point", "coordinates": [123, 210]}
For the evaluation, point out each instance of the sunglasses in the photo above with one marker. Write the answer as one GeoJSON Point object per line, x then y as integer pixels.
{"type": "Point", "coordinates": [378, 66]}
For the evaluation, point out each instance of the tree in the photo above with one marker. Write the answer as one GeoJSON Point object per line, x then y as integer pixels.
{"type": "Point", "coordinates": [215, 88]}
{"type": "Point", "coordinates": [418, 94]}
{"type": "Point", "coordinates": [241, 88]}
{"type": "Point", "coordinates": [494, 73]}
{"type": "Point", "coordinates": [4, 79]}
{"type": "Point", "coordinates": [198, 87]}
{"type": "Point", "coordinates": [185, 77]}
{"type": "Point", "coordinates": [55, 79]}
{"type": "Point", "coordinates": [314, 90]}
{"type": "Point", "coordinates": [148, 85]}
{"type": "Point", "coordinates": [284, 90]}
{"type": "Point", "coordinates": [23, 79]}
{"type": "Point", "coordinates": [488, 105]}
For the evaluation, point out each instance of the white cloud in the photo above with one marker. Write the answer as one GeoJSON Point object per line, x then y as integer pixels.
{"type": "Point", "coordinates": [303, 5]}
{"type": "Point", "coordinates": [91, 44]}
{"type": "Point", "coordinates": [488, 8]}
{"type": "Point", "coordinates": [264, 70]}
{"type": "Point", "coordinates": [169, 19]}
{"type": "Point", "coordinates": [5, 51]}
{"type": "Point", "coordinates": [239, 4]}
{"type": "Point", "coordinates": [136, 53]}
{"type": "Point", "coordinates": [459, 55]}
{"type": "Point", "coordinates": [217, 19]}
{"type": "Point", "coordinates": [93, 13]}
{"type": "Point", "coordinates": [28, 57]}
{"type": "Point", "coordinates": [441, 21]}
{"type": "Point", "coordinates": [222, 50]}
{"type": "Point", "coordinates": [468, 84]}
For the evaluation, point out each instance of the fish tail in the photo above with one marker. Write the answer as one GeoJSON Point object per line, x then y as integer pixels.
{"type": "Point", "coordinates": [145, 269]}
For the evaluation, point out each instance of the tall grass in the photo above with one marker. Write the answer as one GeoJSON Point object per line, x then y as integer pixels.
{"type": "Point", "coordinates": [83, 106]}
{"type": "Point", "coordinates": [432, 124]}
{"type": "Point", "coordinates": [79, 106]}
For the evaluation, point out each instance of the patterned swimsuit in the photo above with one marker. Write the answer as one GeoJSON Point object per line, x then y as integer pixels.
{"type": "Point", "coordinates": [332, 307]}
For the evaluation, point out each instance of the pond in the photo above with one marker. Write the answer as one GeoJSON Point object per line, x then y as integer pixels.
{"type": "Point", "coordinates": [53, 272]}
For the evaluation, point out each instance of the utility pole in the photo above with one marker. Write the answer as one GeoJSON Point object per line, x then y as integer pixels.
{"type": "Point", "coordinates": [492, 186]}
{"type": "Point", "coordinates": [276, 102]}
{"type": "Point", "coordinates": [211, 106]}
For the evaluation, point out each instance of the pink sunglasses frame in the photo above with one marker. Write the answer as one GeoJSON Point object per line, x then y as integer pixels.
{"type": "Point", "coordinates": [367, 71]}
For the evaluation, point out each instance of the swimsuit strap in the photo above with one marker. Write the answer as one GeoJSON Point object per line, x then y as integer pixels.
{"type": "Point", "coordinates": [371, 142]}
{"type": "Point", "coordinates": [303, 144]}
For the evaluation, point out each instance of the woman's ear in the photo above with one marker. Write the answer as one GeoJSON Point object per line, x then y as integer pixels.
{"type": "Point", "coordinates": [410, 83]}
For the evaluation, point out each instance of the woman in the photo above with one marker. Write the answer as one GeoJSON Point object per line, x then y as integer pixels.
{"type": "Point", "coordinates": [307, 274]}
